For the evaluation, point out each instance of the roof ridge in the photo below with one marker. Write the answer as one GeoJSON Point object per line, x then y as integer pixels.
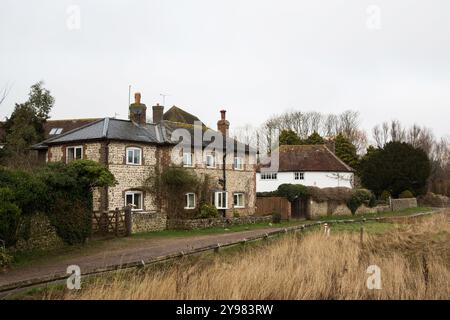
{"type": "Point", "coordinates": [339, 159]}
{"type": "Point", "coordinates": [72, 119]}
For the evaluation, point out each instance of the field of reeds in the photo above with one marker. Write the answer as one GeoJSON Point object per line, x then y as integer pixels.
{"type": "Point", "coordinates": [414, 259]}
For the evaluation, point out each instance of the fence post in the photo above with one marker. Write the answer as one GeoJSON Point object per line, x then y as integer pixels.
{"type": "Point", "coordinates": [117, 214]}
{"type": "Point", "coordinates": [128, 221]}
{"type": "Point", "coordinates": [361, 235]}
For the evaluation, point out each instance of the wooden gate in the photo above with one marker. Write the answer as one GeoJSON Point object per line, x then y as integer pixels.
{"type": "Point", "coordinates": [114, 222]}
{"type": "Point", "coordinates": [298, 208]}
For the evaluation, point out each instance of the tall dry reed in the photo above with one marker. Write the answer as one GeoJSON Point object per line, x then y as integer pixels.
{"type": "Point", "coordinates": [414, 264]}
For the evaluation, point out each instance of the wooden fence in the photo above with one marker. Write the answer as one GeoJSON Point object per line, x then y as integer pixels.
{"type": "Point", "coordinates": [114, 222]}
{"type": "Point", "coordinates": [270, 205]}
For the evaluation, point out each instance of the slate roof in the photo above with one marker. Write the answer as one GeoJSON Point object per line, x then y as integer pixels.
{"type": "Point", "coordinates": [125, 130]}
{"type": "Point", "coordinates": [310, 158]}
{"type": "Point", "coordinates": [109, 129]}
{"type": "Point", "coordinates": [64, 126]}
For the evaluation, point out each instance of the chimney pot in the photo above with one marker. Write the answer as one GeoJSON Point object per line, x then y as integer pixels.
{"type": "Point", "coordinates": [223, 125]}
{"type": "Point", "coordinates": [137, 98]}
{"type": "Point", "coordinates": [138, 110]}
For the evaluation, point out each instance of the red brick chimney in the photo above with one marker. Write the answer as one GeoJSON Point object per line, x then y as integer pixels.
{"type": "Point", "coordinates": [223, 125]}
{"type": "Point", "coordinates": [138, 110]}
{"type": "Point", "coordinates": [158, 112]}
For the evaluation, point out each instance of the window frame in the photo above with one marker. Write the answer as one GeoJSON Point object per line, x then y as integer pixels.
{"type": "Point", "coordinates": [216, 199]}
{"type": "Point", "coordinates": [236, 196]}
{"type": "Point", "coordinates": [209, 156]}
{"type": "Point", "coordinates": [265, 176]}
{"type": "Point", "coordinates": [74, 153]}
{"type": "Point", "coordinates": [186, 165]}
{"type": "Point", "coordinates": [300, 174]}
{"type": "Point", "coordinates": [133, 149]}
{"type": "Point", "coordinates": [133, 192]}
{"type": "Point", "coordinates": [187, 207]}
{"type": "Point", "coordinates": [241, 165]}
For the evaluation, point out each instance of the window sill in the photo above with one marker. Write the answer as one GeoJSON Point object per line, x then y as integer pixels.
{"type": "Point", "coordinates": [133, 164]}
{"type": "Point", "coordinates": [187, 208]}
{"type": "Point", "coordinates": [239, 207]}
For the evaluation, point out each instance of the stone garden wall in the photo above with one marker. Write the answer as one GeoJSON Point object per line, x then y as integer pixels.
{"type": "Point", "coordinates": [401, 204]}
{"type": "Point", "coordinates": [190, 224]}
{"type": "Point", "coordinates": [327, 208]}
{"type": "Point", "coordinates": [41, 235]}
{"type": "Point", "coordinates": [148, 221]}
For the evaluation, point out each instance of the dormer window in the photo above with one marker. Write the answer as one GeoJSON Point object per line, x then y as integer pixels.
{"type": "Point", "coordinates": [134, 156]}
{"type": "Point", "coordinates": [55, 131]}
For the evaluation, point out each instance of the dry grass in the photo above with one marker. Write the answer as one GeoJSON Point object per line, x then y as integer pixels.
{"type": "Point", "coordinates": [414, 262]}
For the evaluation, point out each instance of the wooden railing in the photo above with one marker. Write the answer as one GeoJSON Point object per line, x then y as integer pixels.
{"type": "Point", "coordinates": [114, 222]}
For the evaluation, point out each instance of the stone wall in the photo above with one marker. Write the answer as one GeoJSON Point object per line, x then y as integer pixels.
{"type": "Point", "coordinates": [402, 204]}
{"type": "Point", "coordinates": [327, 208]}
{"type": "Point", "coordinates": [148, 221]}
{"type": "Point", "coordinates": [41, 235]}
{"type": "Point", "coordinates": [130, 177]}
{"type": "Point", "coordinates": [191, 224]}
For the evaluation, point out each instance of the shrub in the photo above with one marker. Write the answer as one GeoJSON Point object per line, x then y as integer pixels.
{"type": "Point", "coordinates": [70, 196]}
{"type": "Point", "coordinates": [372, 201]}
{"type": "Point", "coordinates": [276, 217]}
{"type": "Point", "coordinates": [236, 214]}
{"type": "Point", "coordinates": [292, 191]}
{"type": "Point", "coordinates": [406, 195]}
{"type": "Point", "coordinates": [385, 195]}
{"type": "Point", "coordinates": [359, 197]}
{"type": "Point", "coordinates": [9, 218]}
{"type": "Point", "coordinates": [208, 211]}
{"type": "Point", "coordinates": [5, 258]}
{"type": "Point", "coordinates": [72, 220]}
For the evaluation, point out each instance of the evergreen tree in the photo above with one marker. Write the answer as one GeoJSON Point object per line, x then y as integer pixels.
{"type": "Point", "coordinates": [396, 167]}
{"type": "Point", "coordinates": [314, 138]}
{"type": "Point", "coordinates": [289, 137]}
{"type": "Point", "coordinates": [346, 151]}
{"type": "Point", "coordinates": [25, 126]}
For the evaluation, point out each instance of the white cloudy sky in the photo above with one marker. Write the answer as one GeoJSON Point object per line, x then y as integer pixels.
{"type": "Point", "coordinates": [252, 57]}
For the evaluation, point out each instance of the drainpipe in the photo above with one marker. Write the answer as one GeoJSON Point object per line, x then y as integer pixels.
{"type": "Point", "coordinates": [224, 173]}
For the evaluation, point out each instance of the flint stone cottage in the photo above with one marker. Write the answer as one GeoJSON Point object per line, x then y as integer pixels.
{"type": "Point", "coordinates": [309, 165]}
{"type": "Point", "coordinates": [134, 149]}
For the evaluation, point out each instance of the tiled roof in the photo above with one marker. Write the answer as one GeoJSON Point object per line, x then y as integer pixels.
{"type": "Point", "coordinates": [309, 158]}
{"type": "Point", "coordinates": [176, 114]}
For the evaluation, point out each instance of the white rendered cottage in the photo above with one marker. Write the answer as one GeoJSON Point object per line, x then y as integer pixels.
{"type": "Point", "coordinates": [309, 165]}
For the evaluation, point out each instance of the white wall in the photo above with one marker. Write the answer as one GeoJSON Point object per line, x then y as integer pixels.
{"type": "Point", "coordinates": [316, 179]}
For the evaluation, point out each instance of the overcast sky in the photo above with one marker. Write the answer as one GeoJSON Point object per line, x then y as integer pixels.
{"type": "Point", "coordinates": [387, 59]}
